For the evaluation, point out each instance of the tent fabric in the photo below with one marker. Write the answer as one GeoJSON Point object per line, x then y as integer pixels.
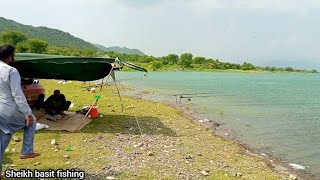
{"type": "Point", "coordinates": [45, 66]}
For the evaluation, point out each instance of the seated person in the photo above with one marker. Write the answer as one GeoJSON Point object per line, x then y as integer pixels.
{"type": "Point", "coordinates": [39, 102]}
{"type": "Point", "coordinates": [56, 104]}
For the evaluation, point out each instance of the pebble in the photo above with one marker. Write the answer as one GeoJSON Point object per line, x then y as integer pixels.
{"type": "Point", "coordinates": [67, 162]}
{"type": "Point", "coordinates": [297, 166]}
{"type": "Point", "coordinates": [293, 177]}
{"type": "Point", "coordinates": [12, 165]}
{"type": "Point", "coordinates": [53, 142]}
{"type": "Point", "coordinates": [13, 150]}
{"type": "Point", "coordinates": [150, 153]}
{"type": "Point", "coordinates": [67, 156]}
{"type": "Point", "coordinates": [110, 178]}
{"type": "Point", "coordinates": [37, 163]}
{"type": "Point", "coordinates": [206, 120]}
{"type": "Point", "coordinates": [7, 150]}
{"type": "Point", "coordinates": [16, 138]}
{"type": "Point", "coordinates": [200, 121]}
{"type": "Point", "coordinates": [138, 145]}
{"type": "Point", "coordinates": [204, 173]}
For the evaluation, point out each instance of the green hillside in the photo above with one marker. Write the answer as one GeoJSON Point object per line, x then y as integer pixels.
{"type": "Point", "coordinates": [54, 37]}
{"type": "Point", "coordinates": [122, 50]}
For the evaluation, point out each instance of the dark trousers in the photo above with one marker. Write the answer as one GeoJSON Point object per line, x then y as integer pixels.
{"type": "Point", "coordinates": [53, 111]}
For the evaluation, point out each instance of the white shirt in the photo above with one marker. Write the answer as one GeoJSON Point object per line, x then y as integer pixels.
{"type": "Point", "coordinates": [13, 103]}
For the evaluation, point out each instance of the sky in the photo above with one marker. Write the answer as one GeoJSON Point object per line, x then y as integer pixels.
{"type": "Point", "coordinates": [258, 31]}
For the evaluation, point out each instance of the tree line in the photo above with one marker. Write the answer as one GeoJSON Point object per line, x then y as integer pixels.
{"type": "Point", "coordinates": [34, 45]}
{"type": "Point", "coordinates": [185, 61]}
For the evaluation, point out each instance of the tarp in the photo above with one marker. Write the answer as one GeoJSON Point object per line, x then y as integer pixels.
{"type": "Point", "coordinates": [45, 66]}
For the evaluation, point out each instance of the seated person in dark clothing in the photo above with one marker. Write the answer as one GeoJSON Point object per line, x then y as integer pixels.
{"type": "Point", "coordinates": [56, 104]}
{"type": "Point", "coordinates": [39, 103]}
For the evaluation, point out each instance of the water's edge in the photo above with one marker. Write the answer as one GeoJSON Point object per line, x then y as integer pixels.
{"type": "Point", "coordinates": [276, 163]}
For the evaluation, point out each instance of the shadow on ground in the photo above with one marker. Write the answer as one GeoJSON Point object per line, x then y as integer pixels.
{"type": "Point", "coordinates": [125, 124]}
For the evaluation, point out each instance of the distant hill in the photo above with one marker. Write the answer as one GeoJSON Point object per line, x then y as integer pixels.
{"type": "Point", "coordinates": [55, 37]}
{"type": "Point", "coordinates": [123, 50]}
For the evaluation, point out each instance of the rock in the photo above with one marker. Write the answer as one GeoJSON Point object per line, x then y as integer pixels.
{"type": "Point", "coordinates": [200, 121]}
{"type": "Point", "coordinates": [13, 150]}
{"type": "Point", "coordinates": [53, 142]}
{"type": "Point", "coordinates": [110, 178]}
{"type": "Point", "coordinates": [216, 124]}
{"type": "Point", "coordinates": [37, 163]}
{"type": "Point", "coordinates": [189, 157]}
{"type": "Point", "coordinates": [150, 153]}
{"type": "Point", "coordinates": [233, 172]}
{"type": "Point", "coordinates": [67, 162]}
{"type": "Point", "coordinates": [297, 166]}
{"type": "Point", "coordinates": [138, 145]}
{"type": "Point", "coordinates": [67, 156]}
{"type": "Point", "coordinates": [238, 174]}
{"type": "Point", "coordinates": [12, 165]}
{"type": "Point", "coordinates": [56, 150]}
{"type": "Point", "coordinates": [293, 177]}
{"type": "Point", "coordinates": [204, 173]}
{"type": "Point", "coordinates": [226, 134]}
{"type": "Point", "coordinates": [199, 154]}
{"type": "Point", "coordinates": [206, 120]}
{"type": "Point", "coordinates": [7, 150]}
{"type": "Point", "coordinates": [16, 138]}
{"type": "Point", "coordinates": [159, 129]}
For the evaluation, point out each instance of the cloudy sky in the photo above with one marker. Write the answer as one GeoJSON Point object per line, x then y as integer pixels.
{"type": "Point", "coordinates": [231, 30]}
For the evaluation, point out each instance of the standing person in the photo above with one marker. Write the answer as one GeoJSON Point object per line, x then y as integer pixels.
{"type": "Point", "coordinates": [15, 113]}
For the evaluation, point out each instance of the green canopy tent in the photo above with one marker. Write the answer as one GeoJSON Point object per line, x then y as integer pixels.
{"type": "Point", "coordinates": [44, 66]}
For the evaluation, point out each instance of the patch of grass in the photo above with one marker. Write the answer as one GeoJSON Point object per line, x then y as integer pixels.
{"type": "Point", "coordinates": [98, 144]}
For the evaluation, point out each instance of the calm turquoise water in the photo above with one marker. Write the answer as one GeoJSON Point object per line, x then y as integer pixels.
{"type": "Point", "coordinates": [275, 112]}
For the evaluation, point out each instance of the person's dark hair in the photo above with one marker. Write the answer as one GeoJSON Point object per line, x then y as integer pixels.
{"type": "Point", "coordinates": [6, 51]}
{"type": "Point", "coordinates": [56, 91]}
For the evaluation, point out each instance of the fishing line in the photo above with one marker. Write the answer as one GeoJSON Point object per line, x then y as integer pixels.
{"type": "Point", "coordinates": [134, 111]}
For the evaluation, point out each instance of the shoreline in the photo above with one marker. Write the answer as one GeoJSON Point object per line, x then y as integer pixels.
{"type": "Point", "coordinates": [277, 164]}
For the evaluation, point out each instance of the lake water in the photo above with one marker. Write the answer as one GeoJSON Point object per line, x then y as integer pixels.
{"type": "Point", "coordinates": [277, 112]}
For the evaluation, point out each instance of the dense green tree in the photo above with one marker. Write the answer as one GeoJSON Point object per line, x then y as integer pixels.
{"type": "Point", "coordinates": [186, 60]}
{"type": "Point", "coordinates": [22, 47]}
{"type": "Point", "coordinates": [290, 69]}
{"type": "Point", "coordinates": [12, 37]}
{"type": "Point", "coordinates": [156, 65]}
{"type": "Point", "coordinates": [37, 45]}
{"type": "Point", "coordinates": [199, 60]}
{"type": "Point", "coordinates": [248, 66]}
{"type": "Point", "coordinates": [170, 59]}
{"type": "Point", "coordinates": [272, 69]}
